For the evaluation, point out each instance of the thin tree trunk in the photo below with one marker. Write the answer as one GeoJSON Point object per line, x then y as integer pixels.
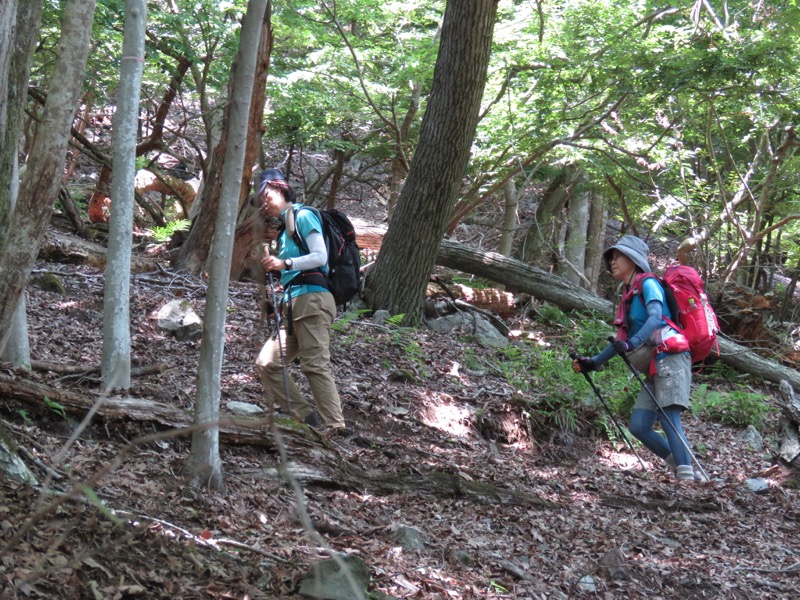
{"type": "Point", "coordinates": [575, 244]}
{"type": "Point", "coordinates": [19, 26]}
{"type": "Point", "coordinates": [510, 218]}
{"type": "Point", "coordinates": [42, 177]}
{"type": "Point", "coordinates": [205, 463]}
{"type": "Point", "coordinates": [18, 349]}
{"type": "Point", "coordinates": [116, 363]}
{"type": "Point", "coordinates": [595, 240]}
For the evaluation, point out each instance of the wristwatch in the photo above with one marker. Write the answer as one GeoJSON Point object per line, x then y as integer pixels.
{"type": "Point", "coordinates": [288, 262]}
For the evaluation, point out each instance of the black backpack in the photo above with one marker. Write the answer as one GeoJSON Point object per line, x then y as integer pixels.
{"type": "Point", "coordinates": [344, 260]}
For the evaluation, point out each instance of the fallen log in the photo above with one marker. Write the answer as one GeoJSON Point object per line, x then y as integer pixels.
{"type": "Point", "coordinates": [551, 288]}
{"type": "Point", "coordinates": [59, 247]}
{"type": "Point", "coordinates": [325, 465]}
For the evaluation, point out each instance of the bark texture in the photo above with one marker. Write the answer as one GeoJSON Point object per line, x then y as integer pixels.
{"type": "Point", "coordinates": [117, 281]}
{"type": "Point", "coordinates": [205, 464]}
{"type": "Point", "coordinates": [40, 184]}
{"type": "Point", "coordinates": [398, 281]}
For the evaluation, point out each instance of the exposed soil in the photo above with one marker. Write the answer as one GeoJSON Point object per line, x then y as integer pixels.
{"type": "Point", "coordinates": [141, 532]}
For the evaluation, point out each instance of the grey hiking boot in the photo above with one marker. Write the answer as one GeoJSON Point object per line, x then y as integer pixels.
{"type": "Point", "coordinates": [699, 477]}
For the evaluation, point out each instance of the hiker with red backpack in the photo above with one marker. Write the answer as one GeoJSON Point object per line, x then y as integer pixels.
{"type": "Point", "coordinates": [651, 342]}
{"type": "Point", "coordinates": [308, 305]}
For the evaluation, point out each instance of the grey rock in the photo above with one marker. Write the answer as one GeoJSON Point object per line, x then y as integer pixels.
{"type": "Point", "coordinates": [486, 333]}
{"type": "Point", "coordinates": [11, 465]}
{"type": "Point", "coordinates": [179, 318]}
{"type": "Point", "coordinates": [340, 578]}
{"type": "Point", "coordinates": [379, 317]}
{"type": "Point", "coordinates": [408, 537]}
{"type": "Point", "coordinates": [489, 336]}
{"type": "Point", "coordinates": [244, 409]}
{"type": "Point", "coordinates": [758, 485]}
{"type": "Point", "coordinates": [587, 584]}
{"type": "Point", "coordinates": [752, 437]}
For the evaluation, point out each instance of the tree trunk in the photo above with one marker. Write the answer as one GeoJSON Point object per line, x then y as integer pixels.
{"type": "Point", "coordinates": [19, 26]}
{"type": "Point", "coordinates": [18, 349]}
{"type": "Point", "coordinates": [595, 241]}
{"type": "Point", "coordinates": [510, 218]}
{"type": "Point", "coordinates": [68, 249]}
{"type": "Point", "coordinates": [398, 281]}
{"type": "Point", "coordinates": [8, 133]}
{"type": "Point", "coordinates": [551, 288]}
{"type": "Point", "coordinates": [543, 239]}
{"type": "Point", "coordinates": [116, 371]}
{"type": "Point", "coordinates": [789, 425]}
{"type": "Point", "coordinates": [575, 244]}
{"type": "Point", "coordinates": [205, 464]}
{"type": "Point", "coordinates": [42, 178]}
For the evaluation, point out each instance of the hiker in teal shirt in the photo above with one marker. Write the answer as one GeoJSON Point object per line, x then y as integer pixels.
{"type": "Point", "coordinates": [308, 306]}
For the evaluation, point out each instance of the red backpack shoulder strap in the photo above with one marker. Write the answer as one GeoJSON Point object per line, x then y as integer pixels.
{"type": "Point", "coordinates": [638, 284]}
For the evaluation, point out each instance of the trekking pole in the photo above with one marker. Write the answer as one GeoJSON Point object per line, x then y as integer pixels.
{"type": "Point", "coordinates": [276, 310]}
{"type": "Point", "coordinates": [666, 418]}
{"type": "Point", "coordinates": [621, 431]}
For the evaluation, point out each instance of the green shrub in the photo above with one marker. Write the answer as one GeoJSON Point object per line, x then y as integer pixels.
{"type": "Point", "coordinates": [163, 234]}
{"type": "Point", "coordinates": [722, 371]}
{"type": "Point", "coordinates": [737, 408]}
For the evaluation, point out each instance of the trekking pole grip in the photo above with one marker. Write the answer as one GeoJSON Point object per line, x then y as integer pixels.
{"type": "Point", "coordinates": [624, 355]}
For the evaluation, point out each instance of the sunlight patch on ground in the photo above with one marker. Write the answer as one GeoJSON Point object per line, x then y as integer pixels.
{"type": "Point", "coordinates": [65, 305]}
{"type": "Point", "coordinates": [621, 461]}
{"type": "Point", "coordinates": [442, 413]}
{"type": "Point", "coordinates": [538, 337]}
{"type": "Point", "coordinates": [545, 473]}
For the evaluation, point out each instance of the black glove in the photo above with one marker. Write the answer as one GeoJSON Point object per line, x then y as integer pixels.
{"type": "Point", "coordinates": [622, 346]}
{"type": "Point", "coordinates": [584, 364]}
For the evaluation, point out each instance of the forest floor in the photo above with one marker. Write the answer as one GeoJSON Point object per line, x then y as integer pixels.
{"type": "Point", "coordinates": [605, 527]}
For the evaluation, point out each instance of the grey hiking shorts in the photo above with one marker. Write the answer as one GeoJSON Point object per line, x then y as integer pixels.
{"type": "Point", "coordinates": [671, 383]}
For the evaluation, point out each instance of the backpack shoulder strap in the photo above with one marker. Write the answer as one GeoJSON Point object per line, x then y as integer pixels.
{"type": "Point", "coordinates": [667, 302]}
{"type": "Point", "coordinates": [298, 239]}
{"type": "Point", "coordinates": [637, 286]}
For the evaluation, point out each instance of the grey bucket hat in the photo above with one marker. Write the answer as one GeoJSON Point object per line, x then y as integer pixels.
{"type": "Point", "coordinates": [632, 247]}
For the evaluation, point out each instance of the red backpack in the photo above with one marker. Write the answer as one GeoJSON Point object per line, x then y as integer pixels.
{"type": "Point", "coordinates": [691, 309]}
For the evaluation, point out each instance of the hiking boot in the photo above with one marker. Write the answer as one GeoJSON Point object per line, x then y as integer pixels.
{"type": "Point", "coordinates": [336, 432]}
{"type": "Point", "coordinates": [699, 477]}
{"type": "Point", "coordinates": [312, 420]}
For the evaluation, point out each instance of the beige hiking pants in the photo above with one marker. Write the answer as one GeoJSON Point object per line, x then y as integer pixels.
{"type": "Point", "coordinates": [312, 315]}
